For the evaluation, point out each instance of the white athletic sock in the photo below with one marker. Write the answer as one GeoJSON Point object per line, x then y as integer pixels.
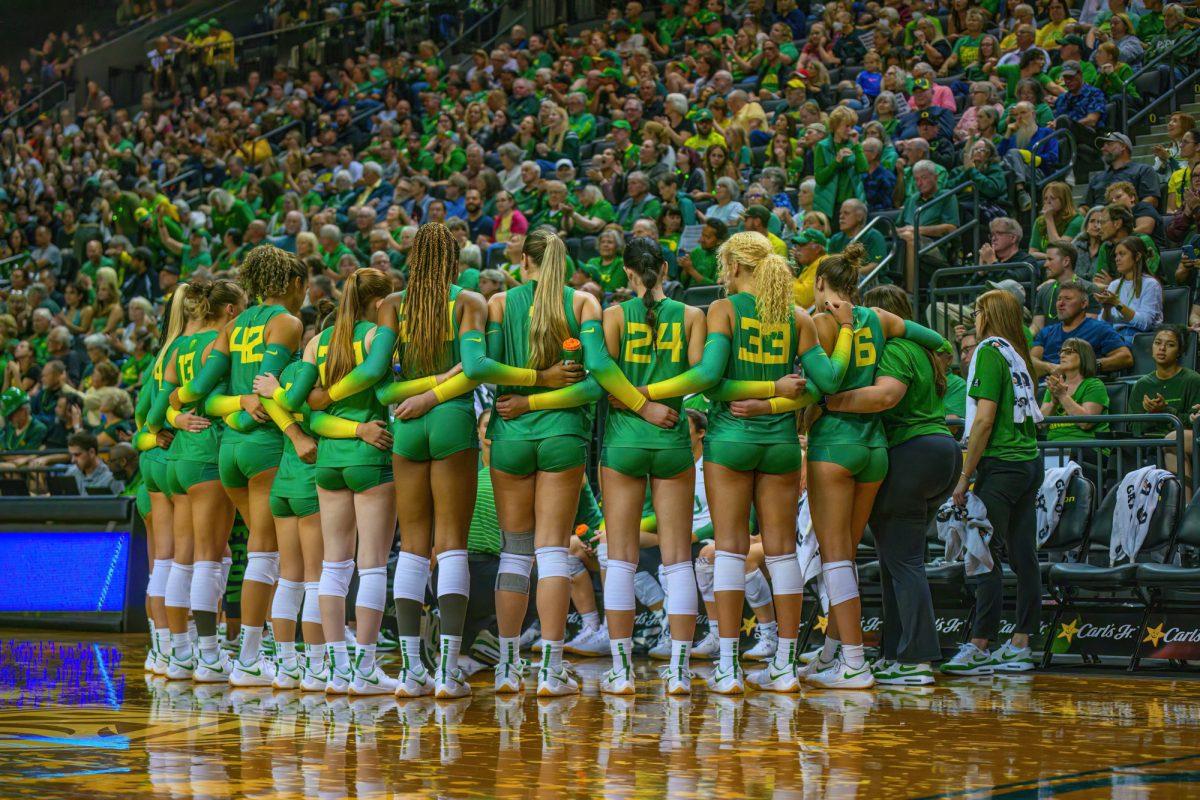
{"type": "Point", "coordinates": [510, 649]}
{"type": "Point", "coordinates": [729, 653]}
{"type": "Point", "coordinates": [181, 646]}
{"type": "Point", "coordinates": [210, 649]}
{"type": "Point", "coordinates": [251, 644]}
{"type": "Point", "coordinates": [450, 647]}
{"type": "Point", "coordinates": [786, 654]}
{"type": "Point", "coordinates": [829, 649]}
{"type": "Point", "coordinates": [769, 627]}
{"type": "Point", "coordinates": [193, 634]}
{"type": "Point", "coordinates": [622, 653]}
{"type": "Point", "coordinates": [852, 654]}
{"type": "Point", "coordinates": [287, 654]}
{"type": "Point", "coordinates": [552, 654]}
{"type": "Point", "coordinates": [365, 657]}
{"type": "Point", "coordinates": [591, 620]}
{"type": "Point", "coordinates": [162, 638]}
{"type": "Point", "coordinates": [410, 652]}
{"type": "Point", "coordinates": [315, 655]}
{"type": "Point", "coordinates": [681, 653]}
{"type": "Point", "coordinates": [339, 656]}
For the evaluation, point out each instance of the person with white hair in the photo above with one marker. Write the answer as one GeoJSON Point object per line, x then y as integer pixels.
{"type": "Point", "coordinates": [936, 221]}
{"type": "Point", "coordinates": [727, 209]}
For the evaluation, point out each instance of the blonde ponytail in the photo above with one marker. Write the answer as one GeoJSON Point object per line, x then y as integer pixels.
{"type": "Point", "coordinates": [771, 277]}
{"type": "Point", "coordinates": [548, 325]}
{"type": "Point", "coordinates": [362, 288]}
{"type": "Point", "coordinates": [175, 323]}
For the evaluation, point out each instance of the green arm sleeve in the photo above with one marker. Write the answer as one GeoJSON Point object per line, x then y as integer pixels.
{"type": "Point", "coordinates": [240, 421]}
{"type": "Point", "coordinates": [699, 378]}
{"type": "Point", "coordinates": [927, 338]}
{"type": "Point", "coordinates": [479, 365]}
{"type": "Point", "coordinates": [331, 427]}
{"type": "Point", "coordinates": [158, 412]}
{"type": "Point", "coordinates": [573, 396]}
{"type": "Point", "coordinates": [457, 386]}
{"type": "Point", "coordinates": [216, 367]}
{"type": "Point", "coordinates": [599, 363]}
{"type": "Point", "coordinates": [142, 408]}
{"type": "Point", "coordinates": [275, 359]}
{"type": "Point", "coordinates": [295, 396]}
{"type": "Point", "coordinates": [374, 366]}
{"type": "Point", "coordinates": [825, 372]}
{"type": "Point", "coordinates": [398, 391]}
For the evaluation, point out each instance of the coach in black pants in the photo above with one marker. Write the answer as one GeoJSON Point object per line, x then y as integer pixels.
{"type": "Point", "coordinates": [924, 463]}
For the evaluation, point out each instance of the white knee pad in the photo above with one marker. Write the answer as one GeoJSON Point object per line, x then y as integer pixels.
{"type": "Point", "coordinates": [679, 581]}
{"type": "Point", "coordinates": [575, 566]}
{"type": "Point", "coordinates": [704, 578]}
{"type": "Point", "coordinates": [602, 555]}
{"type": "Point", "coordinates": [454, 575]}
{"type": "Point", "coordinates": [840, 582]}
{"type": "Point", "coordinates": [513, 573]}
{"type": "Point", "coordinates": [646, 590]}
{"type": "Point", "coordinates": [157, 586]}
{"type": "Point", "coordinates": [312, 605]}
{"type": "Point", "coordinates": [335, 578]}
{"type": "Point", "coordinates": [179, 586]}
{"type": "Point", "coordinates": [372, 588]}
{"type": "Point", "coordinates": [206, 586]}
{"type": "Point", "coordinates": [226, 565]}
{"type": "Point", "coordinates": [262, 568]}
{"type": "Point", "coordinates": [619, 586]}
{"type": "Point", "coordinates": [411, 579]}
{"type": "Point", "coordinates": [552, 563]}
{"type": "Point", "coordinates": [729, 572]}
{"type": "Point", "coordinates": [758, 591]}
{"type": "Point", "coordinates": [786, 575]}
{"type": "Point", "coordinates": [289, 596]}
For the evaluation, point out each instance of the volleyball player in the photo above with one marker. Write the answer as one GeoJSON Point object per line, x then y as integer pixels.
{"type": "Point", "coordinates": [202, 509]}
{"type": "Point", "coordinates": [537, 458]}
{"type": "Point", "coordinates": [262, 340]}
{"type": "Point", "coordinates": [924, 463]}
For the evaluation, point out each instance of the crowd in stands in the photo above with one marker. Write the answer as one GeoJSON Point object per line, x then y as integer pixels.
{"type": "Point", "coordinates": [686, 122]}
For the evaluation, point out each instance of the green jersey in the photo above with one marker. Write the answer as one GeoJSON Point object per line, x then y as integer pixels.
{"type": "Point", "coordinates": [246, 351]}
{"type": "Point", "coordinates": [993, 381]}
{"type": "Point", "coordinates": [360, 407]}
{"type": "Point", "coordinates": [1181, 391]}
{"type": "Point", "coordinates": [649, 356]}
{"type": "Point", "coordinates": [843, 427]}
{"type": "Point", "coordinates": [759, 352]}
{"type": "Point", "coordinates": [202, 445]}
{"type": "Point", "coordinates": [514, 330]}
{"type": "Point", "coordinates": [295, 479]}
{"type": "Point", "coordinates": [919, 412]}
{"type": "Point", "coordinates": [954, 402]}
{"type": "Point", "coordinates": [451, 352]}
{"type": "Point", "coordinates": [1089, 390]}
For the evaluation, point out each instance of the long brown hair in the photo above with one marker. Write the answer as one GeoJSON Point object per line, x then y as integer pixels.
{"type": "Point", "coordinates": [548, 325]}
{"type": "Point", "coordinates": [895, 300]}
{"type": "Point", "coordinates": [432, 265]}
{"type": "Point", "coordinates": [841, 270]}
{"type": "Point", "coordinates": [363, 287]}
{"type": "Point", "coordinates": [1004, 318]}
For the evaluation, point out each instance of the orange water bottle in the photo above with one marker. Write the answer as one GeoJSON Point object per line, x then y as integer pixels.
{"type": "Point", "coordinates": [572, 351]}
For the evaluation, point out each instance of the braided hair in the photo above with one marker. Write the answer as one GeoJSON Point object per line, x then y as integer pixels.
{"type": "Point", "coordinates": [432, 266]}
{"type": "Point", "coordinates": [643, 257]}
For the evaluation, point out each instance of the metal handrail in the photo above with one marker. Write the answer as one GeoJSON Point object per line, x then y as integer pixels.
{"type": "Point", "coordinates": [59, 85]}
{"type": "Point", "coordinates": [519, 20]}
{"type": "Point", "coordinates": [1118, 441]}
{"type": "Point", "coordinates": [495, 12]}
{"type": "Point", "coordinates": [1171, 57]}
{"type": "Point", "coordinates": [886, 261]}
{"type": "Point", "coordinates": [973, 226]}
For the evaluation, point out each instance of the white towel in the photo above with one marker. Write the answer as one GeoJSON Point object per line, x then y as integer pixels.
{"type": "Point", "coordinates": [1137, 497]}
{"type": "Point", "coordinates": [808, 552]}
{"type": "Point", "coordinates": [1026, 405]}
{"type": "Point", "coordinates": [1050, 499]}
{"type": "Point", "coordinates": [966, 533]}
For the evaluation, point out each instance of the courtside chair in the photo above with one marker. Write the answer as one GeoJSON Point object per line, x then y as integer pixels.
{"type": "Point", "coordinates": [1172, 587]}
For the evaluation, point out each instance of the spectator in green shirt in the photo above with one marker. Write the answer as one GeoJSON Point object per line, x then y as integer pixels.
{"type": "Point", "coordinates": [591, 211]}
{"type": "Point", "coordinates": [1073, 390]}
{"type": "Point", "coordinates": [852, 218]}
{"type": "Point", "coordinates": [699, 267]}
{"type": "Point", "coordinates": [1170, 389]}
{"type": "Point", "coordinates": [938, 220]}
{"type": "Point", "coordinates": [1113, 74]}
{"type": "Point", "coordinates": [1029, 67]}
{"type": "Point", "coordinates": [583, 123]}
{"type": "Point", "coordinates": [608, 268]}
{"type": "Point", "coordinates": [228, 212]}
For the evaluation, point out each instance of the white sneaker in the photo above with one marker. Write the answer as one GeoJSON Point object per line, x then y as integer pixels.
{"type": "Point", "coordinates": [214, 672]}
{"type": "Point", "coordinates": [151, 658]}
{"type": "Point", "coordinates": [288, 677]}
{"type": "Point", "coordinates": [556, 683]}
{"type": "Point", "coordinates": [531, 636]}
{"type": "Point", "coordinates": [451, 684]}
{"type": "Point", "coordinates": [416, 682]}
{"type": "Point", "coordinates": [676, 680]}
{"type": "Point", "coordinates": [727, 681]}
{"type": "Point", "coordinates": [969, 660]}
{"type": "Point", "coordinates": [708, 647]}
{"type": "Point", "coordinates": [181, 670]}
{"type": "Point", "coordinates": [1012, 659]}
{"type": "Point", "coordinates": [260, 673]}
{"type": "Point", "coordinates": [589, 642]}
{"type": "Point", "coordinates": [315, 678]}
{"type": "Point", "coordinates": [772, 678]}
{"type": "Point", "coordinates": [814, 666]}
{"type": "Point", "coordinates": [893, 673]}
{"type": "Point", "coordinates": [766, 642]}
{"type": "Point", "coordinates": [510, 676]}
{"type": "Point", "coordinates": [661, 651]}
{"type": "Point", "coordinates": [840, 675]}
{"type": "Point", "coordinates": [617, 681]}
{"type": "Point", "coordinates": [161, 662]}
{"type": "Point", "coordinates": [470, 666]}
{"type": "Point", "coordinates": [809, 655]}
{"type": "Point", "coordinates": [339, 681]}
{"type": "Point", "coordinates": [373, 681]}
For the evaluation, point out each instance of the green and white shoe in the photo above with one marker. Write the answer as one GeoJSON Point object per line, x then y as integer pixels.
{"type": "Point", "coordinates": [181, 669]}
{"type": "Point", "coordinates": [1013, 659]}
{"type": "Point", "coordinates": [969, 660]}
{"type": "Point", "coordinates": [893, 673]}
{"type": "Point", "coordinates": [840, 675]}
{"type": "Point", "coordinates": [213, 672]}
{"type": "Point", "coordinates": [260, 673]}
{"type": "Point", "coordinates": [727, 680]}
{"type": "Point", "coordinates": [288, 677]}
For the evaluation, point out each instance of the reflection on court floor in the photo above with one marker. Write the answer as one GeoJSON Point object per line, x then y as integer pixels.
{"type": "Point", "coordinates": [79, 719]}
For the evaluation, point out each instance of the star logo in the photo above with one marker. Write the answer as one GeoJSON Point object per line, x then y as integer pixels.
{"type": "Point", "coordinates": [748, 626]}
{"type": "Point", "coordinates": [1069, 629]}
{"type": "Point", "coordinates": [1155, 635]}
{"type": "Point", "coordinates": [822, 623]}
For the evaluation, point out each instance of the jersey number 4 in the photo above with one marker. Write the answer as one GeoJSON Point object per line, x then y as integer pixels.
{"type": "Point", "coordinates": [247, 344]}
{"type": "Point", "coordinates": [637, 342]}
